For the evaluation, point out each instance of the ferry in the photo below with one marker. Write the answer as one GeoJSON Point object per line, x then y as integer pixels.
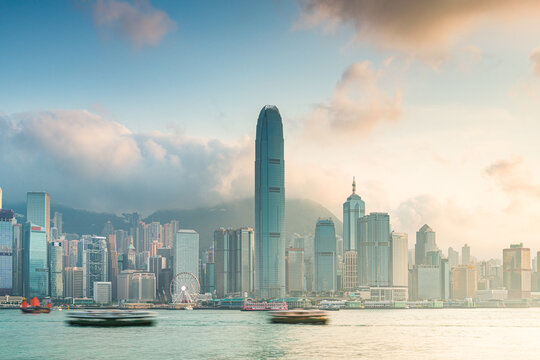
{"type": "Point", "coordinates": [299, 316]}
{"type": "Point", "coordinates": [111, 318]}
{"type": "Point", "coordinates": [35, 307]}
{"type": "Point", "coordinates": [264, 306]}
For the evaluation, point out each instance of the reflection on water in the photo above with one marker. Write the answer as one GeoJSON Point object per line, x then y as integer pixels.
{"type": "Point", "coordinates": [384, 334]}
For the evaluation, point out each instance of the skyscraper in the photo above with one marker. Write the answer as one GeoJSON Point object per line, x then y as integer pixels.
{"type": "Point", "coordinates": [325, 256]}
{"type": "Point", "coordinates": [374, 252]}
{"type": "Point", "coordinates": [58, 222]}
{"type": "Point", "coordinates": [425, 241]}
{"type": "Point", "coordinates": [73, 282]}
{"type": "Point", "coordinates": [353, 209]}
{"type": "Point", "coordinates": [465, 281]}
{"type": "Point", "coordinates": [17, 260]}
{"type": "Point", "coordinates": [56, 286]}
{"type": "Point", "coordinates": [113, 264]}
{"type": "Point", "coordinates": [7, 219]}
{"type": "Point", "coordinates": [270, 204]}
{"type": "Point", "coordinates": [35, 272]}
{"type": "Point", "coordinates": [517, 271]}
{"type": "Point", "coordinates": [453, 258]}
{"type": "Point", "coordinates": [295, 270]}
{"type": "Point", "coordinates": [400, 252]}
{"type": "Point", "coordinates": [466, 255]}
{"type": "Point", "coordinates": [350, 270]}
{"type": "Point", "coordinates": [186, 252]}
{"type": "Point", "coordinates": [38, 210]}
{"type": "Point", "coordinates": [94, 263]}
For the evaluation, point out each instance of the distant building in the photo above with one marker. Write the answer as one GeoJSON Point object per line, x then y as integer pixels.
{"type": "Point", "coordinates": [425, 241]}
{"type": "Point", "coordinates": [517, 271]}
{"type": "Point", "coordinates": [374, 252]}
{"type": "Point", "coordinates": [56, 266]}
{"type": "Point", "coordinates": [465, 281]}
{"type": "Point", "coordinates": [58, 222]}
{"type": "Point", "coordinates": [424, 282]}
{"type": "Point", "coordinates": [129, 261]}
{"type": "Point", "coordinates": [95, 263]}
{"type": "Point", "coordinates": [453, 258]}
{"type": "Point", "coordinates": [325, 256]}
{"type": "Point", "coordinates": [7, 221]}
{"type": "Point", "coordinates": [142, 287]}
{"type": "Point", "coordinates": [113, 264]}
{"type": "Point", "coordinates": [400, 267]}
{"type": "Point", "coordinates": [186, 252]}
{"type": "Point", "coordinates": [446, 280]}
{"type": "Point", "coordinates": [35, 271]}
{"type": "Point", "coordinates": [102, 292]}
{"type": "Point", "coordinates": [353, 209]}
{"type": "Point", "coordinates": [465, 255]}
{"type": "Point", "coordinates": [17, 260]}
{"type": "Point", "coordinates": [73, 282]}
{"type": "Point", "coordinates": [295, 270]}
{"type": "Point", "coordinates": [38, 210]}
{"type": "Point", "coordinates": [108, 229]}
{"type": "Point", "coordinates": [350, 270]}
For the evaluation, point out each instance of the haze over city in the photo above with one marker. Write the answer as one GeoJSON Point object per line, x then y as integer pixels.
{"type": "Point", "coordinates": [117, 106]}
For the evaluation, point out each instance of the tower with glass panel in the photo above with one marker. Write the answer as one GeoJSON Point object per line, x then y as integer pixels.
{"type": "Point", "coordinates": [56, 267]}
{"type": "Point", "coordinates": [35, 271]}
{"type": "Point", "coordinates": [325, 278]}
{"type": "Point", "coordinates": [38, 210]}
{"type": "Point", "coordinates": [186, 252]}
{"type": "Point", "coordinates": [7, 221]}
{"type": "Point", "coordinates": [270, 205]}
{"type": "Point", "coordinates": [374, 251]}
{"type": "Point", "coordinates": [95, 263]}
{"type": "Point", "coordinates": [353, 209]}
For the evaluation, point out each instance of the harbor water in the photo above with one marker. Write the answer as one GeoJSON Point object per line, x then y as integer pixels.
{"type": "Point", "coordinates": [214, 334]}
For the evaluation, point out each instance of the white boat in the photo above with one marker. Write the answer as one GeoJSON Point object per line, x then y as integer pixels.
{"type": "Point", "coordinates": [299, 316]}
{"type": "Point", "coordinates": [111, 318]}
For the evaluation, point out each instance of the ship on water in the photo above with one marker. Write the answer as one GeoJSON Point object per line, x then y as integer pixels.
{"type": "Point", "coordinates": [35, 307]}
{"type": "Point", "coordinates": [264, 306]}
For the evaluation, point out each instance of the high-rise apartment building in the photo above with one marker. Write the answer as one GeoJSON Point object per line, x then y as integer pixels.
{"type": "Point", "coordinates": [35, 271]}
{"type": "Point", "coordinates": [400, 261]}
{"type": "Point", "coordinates": [353, 209]}
{"type": "Point", "coordinates": [38, 210]}
{"type": "Point", "coordinates": [7, 220]}
{"type": "Point", "coordinates": [517, 271]}
{"type": "Point", "coordinates": [56, 266]}
{"type": "Point", "coordinates": [270, 205]}
{"type": "Point", "coordinates": [95, 263]}
{"type": "Point", "coordinates": [374, 251]}
{"type": "Point", "coordinates": [325, 277]}
{"type": "Point", "coordinates": [425, 241]}
{"type": "Point", "coordinates": [186, 252]}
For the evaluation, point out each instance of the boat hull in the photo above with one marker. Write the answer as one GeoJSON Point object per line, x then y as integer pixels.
{"type": "Point", "coordinates": [306, 320]}
{"type": "Point", "coordinates": [110, 323]}
{"type": "Point", "coordinates": [36, 310]}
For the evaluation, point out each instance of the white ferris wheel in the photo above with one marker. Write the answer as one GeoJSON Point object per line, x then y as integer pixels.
{"type": "Point", "coordinates": [184, 288]}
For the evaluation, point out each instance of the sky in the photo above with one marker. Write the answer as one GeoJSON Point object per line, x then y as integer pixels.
{"type": "Point", "coordinates": [433, 106]}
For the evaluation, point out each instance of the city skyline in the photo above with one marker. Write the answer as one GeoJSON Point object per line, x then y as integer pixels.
{"type": "Point", "coordinates": [451, 115]}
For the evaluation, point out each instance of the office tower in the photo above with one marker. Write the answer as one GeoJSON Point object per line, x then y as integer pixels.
{"type": "Point", "coordinates": [73, 250]}
{"type": "Point", "coordinates": [465, 281]}
{"type": "Point", "coordinates": [234, 270]}
{"type": "Point", "coordinates": [129, 258]}
{"type": "Point", "coordinates": [433, 257]}
{"type": "Point", "coordinates": [95, 263]}
{"type": "Point", "coordinates": [517, 271]}
{"type": "Point", "coordinates": [38, 210]}
{"type": "Point", "coordinates": [113, 264]}
{"type": "Point", "coordinates": [186, 252]}
{"type": "Point", "coordinates": [325, 278]}
{"type": "Point", "coordinates": [154, 232]}
{"type": "Point", "coordinates": [400, 266]}
{"type": "Point", "coordinates": [108, 229]}
{"type": "Point", "coordinates": [425, 241]}
{"type": "Point", "coordinates": [17, 260]}
{"type": "Point", "coordinates": [7, 220]}
{"type": "Point", "coordinates": [142, 287]}
{"type": "Point", "coordinates": [374, 253]}
{"type": "Point", "coordinates": [465, 255]}
{"type": "Point", "coordinates": [124, 278]}
{"type": "Point", "coordinates": [350, 270]}
{"type": "Point", "coordinates": [453, 258]}
{"type": "Point", "coordinates": [102, 292]}
{"type": "Point", "coordinates": [353, 209]}
{"type": "Point", "coordinates": [294, 264]}
{"type": "Point", "coordinates": [308, 262]}
{"type": "Point", "coordinates": [270, 205]}
{"type": "Point", "coordinates": [35, 272]}
{"type": "Point", "coordinates": [424, 282]}
{"type": "Point", "coordinates": [73, 282]}
{"type": "Point", "coordinates": [122, 241]}
{"type": "Point", "coordinates": [158, 266]}
{"type": "Point", "coordinates": [58, 222]}
{"type": "Point", "coordinates": [445, 272]}
{"type": "Point", "coordinates": [56, 266]}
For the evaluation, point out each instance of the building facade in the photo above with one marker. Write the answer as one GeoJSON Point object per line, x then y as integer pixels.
{"type": "Point", "coordinates": [353, 209]}
{"type": "Point", "coordinates": [350, 270]}
{"type": "Point", "coordinates": [95, 263]}
{"type": "Point", "coordinates": [35, 271]}
{"type": "Point", "coordinates": [425, 241]}
{"type": "Point", "coordinates": [270, 205]}
{"type": "Point", "coordinates": [325, 277]}
{"type": "Point", "coordinates": [374, 251]}
{"type": "Point", "coordinates": [400, 261]}
{"type": "Point", "coordinates": [186, 252]}
{"type": "Point", "coordinates": [56, 267]}
{"type": "Point", "coordinates": [295, 270]}
{"type": "Point", "coordinates": [38, 210]}
{"type": "Point", "coordinates": [517, 271]}
{"type": "Point", "coordinates": [465, 281]}
{"type": "Point", "coordinates": [7, 220]}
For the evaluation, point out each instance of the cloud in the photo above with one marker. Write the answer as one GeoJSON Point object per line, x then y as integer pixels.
{"type": "Point", "coordinates": [535, 60]}
{"type": "Point", "coordinates": [357, 105]}
{"type": "Point", "coordinates": [87, 161]}
{"type": "Point", "coordinates": [512, 178]}
{"type": "Point", "coordinates": [415, 25]}
{"type": "Point", "coordinates": [138, 22]}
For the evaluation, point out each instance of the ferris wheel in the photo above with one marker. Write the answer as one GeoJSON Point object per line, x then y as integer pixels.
{"type": "Point", "coordinates": [184, 288]}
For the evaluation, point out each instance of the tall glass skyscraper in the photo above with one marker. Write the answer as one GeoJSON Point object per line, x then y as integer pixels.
{"type": "Point", "coordinates": [186, 252]}
{"type": "Point", "coordinates": [325, 256]}
{"type": "Point", "coordinates": [38, 210]}
{"type": "Point", "coordinates": [56, 286]}
{"type": "Point", "coordinates": [35, 271]}
{"type": "Point", "coordinates": [374, 252]}
{"type": "Point", "coordinates": [270, 205]}
{"type": "Point", "coordinates": [353, 209]}
{"type": "Point", "coordinates": [7, 220]}
{"type": "Point", "coordinates": [95, 263]}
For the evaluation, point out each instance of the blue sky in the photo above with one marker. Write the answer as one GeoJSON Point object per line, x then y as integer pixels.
{"type": "Point", "coordinates": [140, 105]}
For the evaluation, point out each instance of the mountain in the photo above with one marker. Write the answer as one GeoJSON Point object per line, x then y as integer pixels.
{"type": "Point", "coordinates": [300, 217]}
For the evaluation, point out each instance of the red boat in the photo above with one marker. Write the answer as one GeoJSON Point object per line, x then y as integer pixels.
{"type": "Point", "coordinates": [35, 307]}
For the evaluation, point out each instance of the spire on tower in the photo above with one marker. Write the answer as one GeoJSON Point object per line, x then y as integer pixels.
{"type": "Point", "coordinates": [353, 185]}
